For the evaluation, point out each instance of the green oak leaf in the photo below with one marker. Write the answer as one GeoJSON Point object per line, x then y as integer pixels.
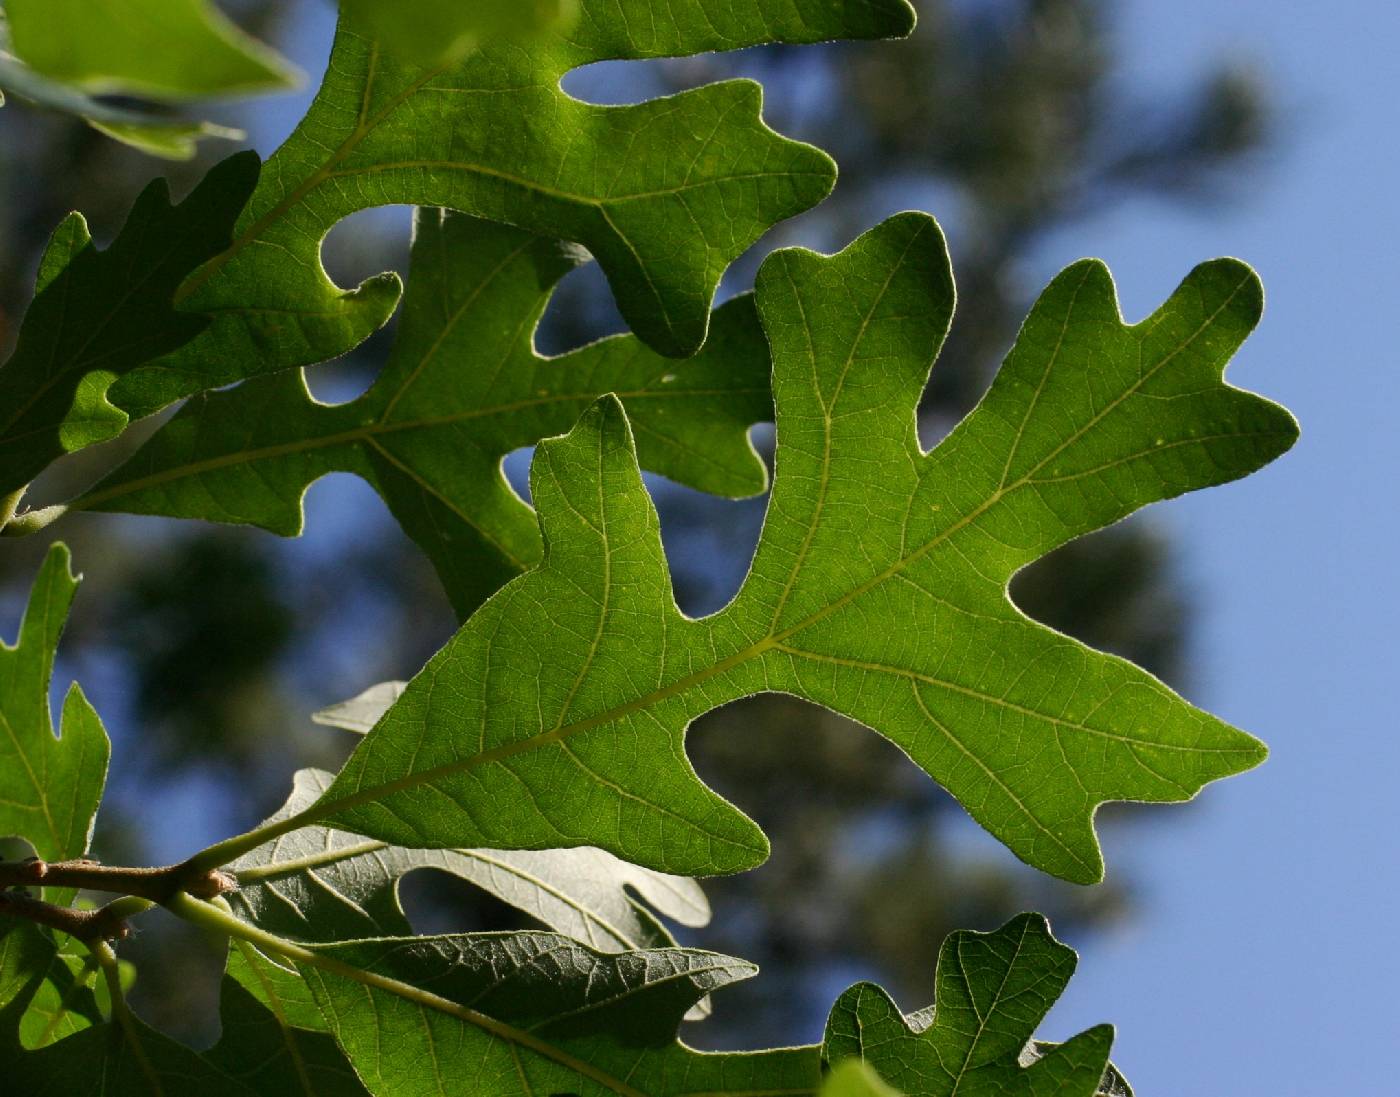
{"type": "Point", "coordinates": [152, 48]}
{"type": "Point", "coordinates": [98, 315]}
{"type": "Point", "coordinates": [317, 885]}
{"type": "Point", "coordinates": [463, 387]}
{"type": "Point", "coordinates": [154, 134]}
{"type": "Point", "coordinates": [665, 194]}
{"type": "Point", "coordinates": [556, 716]}
{"type": "Point", "coordinates": [49, 787]}
{"type": "Point", "coordinates": [531, 1013]}
{"type": "Point", "coordinates": [992, 990]}
{"type": "Point", "coordinates": [433, 31]}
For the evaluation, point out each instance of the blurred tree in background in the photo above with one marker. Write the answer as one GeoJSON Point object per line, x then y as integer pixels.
{"type": "Point", "coordinates": [206, 648]}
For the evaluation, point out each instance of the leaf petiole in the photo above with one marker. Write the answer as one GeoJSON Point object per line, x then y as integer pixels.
{"type": "Point", "coordinates": [107, 960]}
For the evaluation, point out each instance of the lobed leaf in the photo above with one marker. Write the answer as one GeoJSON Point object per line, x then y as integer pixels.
{"type": "Point", "coordinates": [49, 787]}
{"type": "Point", "coordinates": [99, 315]}
{"type": "Point", "coordinates": [992, 991]}
{"type": "Point", "coordinates": [463, 387]}
{"type": "Point", "coordinates": [665, 194]}
{"type": "Point", "coordinates": [556, 716]}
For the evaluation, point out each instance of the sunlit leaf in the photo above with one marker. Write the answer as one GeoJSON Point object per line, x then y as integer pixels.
{"type": "Point", "coordinates": [463, 387]}
{"type": "Point", "coordinates": [557, 715]}
{"type": "Point", "coordinates": [993, 989]}
{"type": "Point", "coordinates": [49, 787]}
{"type": "Point", "coordinates": [665, 194]}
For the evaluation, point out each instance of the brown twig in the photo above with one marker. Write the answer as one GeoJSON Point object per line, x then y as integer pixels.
{"type": "Point", "coordinates": [156, 884]}
{"type": "Point", "coordinates": [86, 925]}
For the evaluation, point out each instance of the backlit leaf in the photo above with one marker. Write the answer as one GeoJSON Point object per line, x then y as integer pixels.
{"type": "Point", "coordinates": [557, 715]}
{"type": "Point", "coordinates": [49, 787]}
{"type": "Point", "coordinates": [463, 387]}
{"type": "Point", "coordinates": [992, 991]}
{"type": "Point", "coordinates": [665, 194]}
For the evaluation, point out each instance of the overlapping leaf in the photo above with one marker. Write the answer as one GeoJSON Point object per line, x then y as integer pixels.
{"type": "Point", "coordinates": [153, 48]}
{"type": "Point", "coordinates": [463, 387]}
{"type": "Point", "coordinates": [992, 991]}
{"type": "Point", "coordinates": [556, 716]}
{"type": "Point", "coordinates": [324, 885]}
{"type": "Point", "coordinates": [524, 1014]}
{"type": "Point", "coordinates": [257, 1056]}
{"type": "Point", "coordinates": [49, 787]}
{"type": "Point", "coordinates": [98, 315]}
{"type": "Point", "coordinates": [664, 193]}
{"type": "Point", "coordinates": [155, 134]}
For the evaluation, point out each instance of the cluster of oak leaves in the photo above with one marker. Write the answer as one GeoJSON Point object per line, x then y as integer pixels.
{"type": "Point", "coordinates": [540, 754]}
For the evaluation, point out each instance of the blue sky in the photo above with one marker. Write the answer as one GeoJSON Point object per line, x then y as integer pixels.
{"type": "Point", "coordinates": [1260, 962]}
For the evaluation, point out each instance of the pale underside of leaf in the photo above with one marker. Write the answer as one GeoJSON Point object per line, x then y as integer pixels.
{"type": "Point", "coordinates": [318, 884]}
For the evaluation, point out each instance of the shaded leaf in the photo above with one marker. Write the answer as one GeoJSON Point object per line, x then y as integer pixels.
{"type": "Point", "coordinates": [159, 48]}
{"type": "Point", "coordinates": [992, 990]}
{"type": "Point", "coordinates": [319, 885]}
{"type": "Point", "coordinates": [97, 315]}
{"type": "Point", "coordinates": [103, 1059]}
{"type": "Point", "coordinates": [462, 388]}
{"type": "Point", "coordinates": [256, 1056]}
{"type": "Point", "coordinates": [49, 787]}
{"type": "Point", "coordinates": [523, 1014]}
{"type": "Point", "coordinates": [557, 715]}
{"type": "Point", "coordinates": [267, 1053]}
{"type": "Point", "coordinates": [664, 193]}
